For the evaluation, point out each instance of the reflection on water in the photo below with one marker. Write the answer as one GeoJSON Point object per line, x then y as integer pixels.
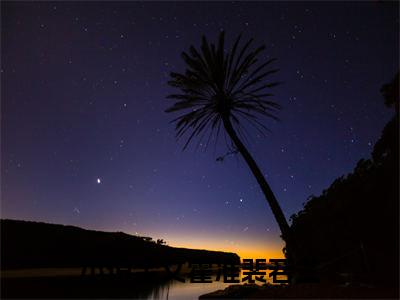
{"type": "Point", "coordinates": [174, 289]}
{"type": "Point", "coordinates": [179, 290]}
{"type": "Point", "coordinates": [60, 283]}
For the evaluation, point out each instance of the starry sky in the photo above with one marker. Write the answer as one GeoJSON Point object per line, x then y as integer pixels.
{"type": "Point", "coordinates": [85, 140]}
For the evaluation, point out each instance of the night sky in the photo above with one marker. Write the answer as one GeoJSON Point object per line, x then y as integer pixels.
{"type": "Point", "coordinates": [85, 140]}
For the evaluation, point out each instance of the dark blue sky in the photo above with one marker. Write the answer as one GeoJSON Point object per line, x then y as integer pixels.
{"type": "Point", "coordinates": [83, 94]}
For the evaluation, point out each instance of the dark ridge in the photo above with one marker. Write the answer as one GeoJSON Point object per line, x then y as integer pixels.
{"type": "Point", "coordinates": [26, 244]}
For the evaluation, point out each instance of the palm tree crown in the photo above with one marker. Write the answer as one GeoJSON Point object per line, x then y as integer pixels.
{"type": "Point", "coordinates": [220, 84]}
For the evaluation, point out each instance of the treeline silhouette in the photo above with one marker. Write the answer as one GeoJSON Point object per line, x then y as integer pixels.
{"type": "Point", "coordinates": [26, 244]}
{"type": "Point", "coordinates": [351, 231]}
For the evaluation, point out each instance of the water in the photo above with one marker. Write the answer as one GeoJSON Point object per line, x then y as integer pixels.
{"type": "Point", "coordinates": [180, 291]}
{"type": "Point", "coordinates": [67, 283]}
{"type": "Point", "coordinates": [174, 289]}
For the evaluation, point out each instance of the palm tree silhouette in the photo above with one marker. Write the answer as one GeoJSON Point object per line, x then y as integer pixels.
{"type": "Point", "coordinates": [226, 88]}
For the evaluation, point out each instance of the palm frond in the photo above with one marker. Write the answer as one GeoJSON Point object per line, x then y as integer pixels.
{"type": "Point", "coordinates": [219, 83]}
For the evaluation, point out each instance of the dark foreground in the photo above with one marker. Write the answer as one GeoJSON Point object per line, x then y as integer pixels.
{"type": "Point", "coordinates": [132, 286]}
{"type": "Point", "coordinates": [315, 291]}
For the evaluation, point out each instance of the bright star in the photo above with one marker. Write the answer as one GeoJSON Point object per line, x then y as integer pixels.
{"type": "Point", "coordinates": [98, 180]}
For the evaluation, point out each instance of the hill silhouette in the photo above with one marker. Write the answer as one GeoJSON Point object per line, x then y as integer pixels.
{"type": "Point", "coordinates": [26, 244]}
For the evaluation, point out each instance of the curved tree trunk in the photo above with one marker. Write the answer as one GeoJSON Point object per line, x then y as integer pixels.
{"type": "Point", "coordinates": [269, 195]}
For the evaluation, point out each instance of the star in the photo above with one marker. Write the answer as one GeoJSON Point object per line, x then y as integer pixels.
{"type": "Point", "coordinates": [98, 180]}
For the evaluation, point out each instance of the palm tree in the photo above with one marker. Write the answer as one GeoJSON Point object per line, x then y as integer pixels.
{"type": "Point", "coordinates": [226, 88]}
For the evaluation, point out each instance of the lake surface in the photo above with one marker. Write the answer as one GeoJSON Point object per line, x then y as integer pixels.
{"type": "Point", "coordinates": [180, 291]}
{"type": "Point", "coordinates": [67, 283]}
{"type": "Point", "coordinates": [174, 289]}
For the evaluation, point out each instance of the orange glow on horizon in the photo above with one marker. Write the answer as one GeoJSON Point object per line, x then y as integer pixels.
{"type": "Point", "coordinates": [245, 244]}
{"type": "Point", "coordinates": [245, 249]}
